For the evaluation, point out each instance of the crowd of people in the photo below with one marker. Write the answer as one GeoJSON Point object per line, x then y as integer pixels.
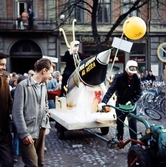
{"type": "Point", "coordinates": [18, 126]}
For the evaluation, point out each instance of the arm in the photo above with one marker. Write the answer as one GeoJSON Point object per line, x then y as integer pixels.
{"type": "Point", "coordinates": [18, 114]}
{"type": "Point", "coordinates": [138, 91]}
{"type": "Point", "coordinates": [52, 85]}
{"type": "Point", "coordinates": [65, 57]}
{"type": "Point", "coordinates": [110, 91]}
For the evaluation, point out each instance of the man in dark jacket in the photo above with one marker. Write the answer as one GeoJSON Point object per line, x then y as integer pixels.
{"type": "Point", "coordinates": [6, 156]}
{"type": "Point", "coordinates": [128, 90]}
{"type": "Point", "coordinates": [72, 58]}
{"type": "Point", "coordinates": [31, 17]}
{"type": "Point", "coordinates": [150, 77]}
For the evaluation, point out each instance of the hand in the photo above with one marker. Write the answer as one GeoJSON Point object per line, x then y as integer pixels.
{"type": "Point", "coordinates": [28, 140]}
{"type": "Point", "coordinates": [100, 105]}
{"type": "Point", "coordinates": [128, 103]}
{"type": "Point", "coordinates": [48, 114]}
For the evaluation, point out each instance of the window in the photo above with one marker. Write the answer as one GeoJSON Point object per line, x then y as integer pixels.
{"type": "Point", "coordinates": [78, 13]}
{"type": "Point", "coordinates": [23, 5]}
{"type": "Point", "coordinates": [126, 5]}
{"type": "Point", "coordinates": [138, 48]}
{"type": "Point", "coordinates": [138, 53]}
{"type": "Point", "coordinates": [103, 14]}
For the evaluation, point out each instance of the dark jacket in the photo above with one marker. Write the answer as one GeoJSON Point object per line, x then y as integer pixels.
{"type": "Point", "coordinates": [151, 77]}
{"type": "Point", "coordinates": [5, 105]}
{"type": "Point", "coordinates": [125, 91]}
{"type": "Point", "coordinates": [31, 16]}
{"type": "Point", "coordinates": [68, 58]}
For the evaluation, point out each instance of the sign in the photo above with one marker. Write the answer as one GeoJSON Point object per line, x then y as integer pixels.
{"type": "Point", "coordinates": [139, 59]}
{"type": "Point", "coordinates": [161, 52]}
{"type": "Point", "coordinates": [53, 59]}
{"type": "Point", "coordinates": [122, 44]}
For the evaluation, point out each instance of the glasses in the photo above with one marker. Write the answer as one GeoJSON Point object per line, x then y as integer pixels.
{"type": "Point", "coordinates": [132, 68]}
{"type": "Point", "coordinates": [76, 45]}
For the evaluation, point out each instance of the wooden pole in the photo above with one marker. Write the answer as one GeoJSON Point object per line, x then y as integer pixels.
{"type": "Point", "coordinates": [116, 54]}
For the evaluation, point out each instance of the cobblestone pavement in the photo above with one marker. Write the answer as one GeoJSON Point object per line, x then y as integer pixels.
{"type": "Point", "coordinates": [82, 149]}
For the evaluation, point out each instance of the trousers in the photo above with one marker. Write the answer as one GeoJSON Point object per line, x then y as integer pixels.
{"type": "Point", "coordinates": [33, 154]}
{"type": "Point", "coordinates": [6, 154]}
{"type": "Point", "coordinates": [120, 125]}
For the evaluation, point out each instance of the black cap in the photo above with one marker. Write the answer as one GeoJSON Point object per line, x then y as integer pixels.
{"type": "Point", "coordinates": [3, 55]}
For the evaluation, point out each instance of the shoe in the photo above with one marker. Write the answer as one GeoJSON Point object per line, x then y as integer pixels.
{"type": "Point", "coordinates": [15, 159]}
{"type": "Point", "coordinates": [45, 149]}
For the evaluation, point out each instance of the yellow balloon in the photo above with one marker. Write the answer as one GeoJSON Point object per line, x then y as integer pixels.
{"type": "Point", "coordinates": [134, 28]}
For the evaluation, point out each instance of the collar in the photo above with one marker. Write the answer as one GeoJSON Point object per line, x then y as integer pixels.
{"type": "Point", "coordinates": [31, 81]}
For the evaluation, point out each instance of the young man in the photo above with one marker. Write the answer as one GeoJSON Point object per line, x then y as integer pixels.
{"type": "Point", "coordinates": [128, 90]}
{"type": "Point", "coordinates": [6, 156]}
{"type": "Point", "coordinates": [150, 77]}
{"type": "Point", "coordinates": [30, 113]}
{"type": "Point", "coordinates": [72, 58]}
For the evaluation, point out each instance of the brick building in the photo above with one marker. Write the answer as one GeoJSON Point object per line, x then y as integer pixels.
{"type": "Point", "coordinates": [26, 46]}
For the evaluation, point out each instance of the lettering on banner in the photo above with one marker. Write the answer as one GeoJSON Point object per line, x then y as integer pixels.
{"type": "Point", "coordinates": [88, 66]}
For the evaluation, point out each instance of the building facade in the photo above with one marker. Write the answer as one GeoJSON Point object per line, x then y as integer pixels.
{"type": "Point", "coordinates": [26, 46]}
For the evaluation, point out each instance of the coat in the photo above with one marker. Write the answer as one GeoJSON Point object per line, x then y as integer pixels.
{"type": "Point", "coordinates": [5, 105]}
{"type": "Point", "coordinates": [68, 58]}
{"type": "Point", "coordinates": [125, 91]}
{"type": "Point", "coordinates": [30, 110]}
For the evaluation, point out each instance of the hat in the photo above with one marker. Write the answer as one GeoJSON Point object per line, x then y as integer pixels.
{"type": "Point", "coordinates": [3, 55]}
{"type": "Point", "coordinates": [74, 43]}
{"type": "Point", "coordinates": [56, 73]}
{"type": "Point", "coordinates": [132, 66]}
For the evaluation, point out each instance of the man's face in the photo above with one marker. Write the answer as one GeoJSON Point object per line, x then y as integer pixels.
{"type": "Point", "coordinates": [75, 48]}
{"type": "Point", "coordinates": [150, 73]}
{"type": "Point", "coordinates": [47, 74]}
{"type": "Point", "coordinates": [130, 74]}
{"type": "Point", "coordinates": [2, 66]}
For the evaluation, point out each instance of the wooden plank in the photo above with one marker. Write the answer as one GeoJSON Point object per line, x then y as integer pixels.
{"type": "Point", "coordinates": [72, 121]}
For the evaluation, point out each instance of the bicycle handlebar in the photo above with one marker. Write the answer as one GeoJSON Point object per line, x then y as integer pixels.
{"type": "Point", "coordinates": [123, 108]}
{"type": "Point", "coordinates": [128, 109]}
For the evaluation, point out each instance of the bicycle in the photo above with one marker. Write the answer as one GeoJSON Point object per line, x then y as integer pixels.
{"type": "Point", "coordinates": [150, 112]}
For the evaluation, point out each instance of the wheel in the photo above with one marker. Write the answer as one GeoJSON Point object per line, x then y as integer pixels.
{"type": "Point", "coordinates": [163, 107]}
{"type": "Point", "coordinates": [104, 130]}
{"type": "Point", "coordinates": [147, 100]}
{"type": "Point", "coordinates": [137, 157]}
{"type": "Point", "coordinates": [152, 113]}
{"type": "Point", "coordinates": [60, 131]}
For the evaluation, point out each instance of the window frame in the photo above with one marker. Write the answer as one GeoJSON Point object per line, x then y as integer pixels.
{"type": "Point", "coordinates": [103, 13]}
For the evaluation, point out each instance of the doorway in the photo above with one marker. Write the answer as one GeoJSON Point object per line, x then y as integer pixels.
{"type": "Point", "coordinates": [23, 56]}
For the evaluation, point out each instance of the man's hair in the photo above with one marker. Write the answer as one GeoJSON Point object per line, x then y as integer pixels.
{"type": "Point", "coordinates": [30, 72]}
{"type": "Point", "coordinates": [3, 55]}
{"type": "Point", "coordinates": [43, 63]}
{"type": "Point", "coordinates": [20, 78]}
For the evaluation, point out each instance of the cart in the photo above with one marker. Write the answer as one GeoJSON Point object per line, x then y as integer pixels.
{"type": "Point", "coordinates": [70, 119]}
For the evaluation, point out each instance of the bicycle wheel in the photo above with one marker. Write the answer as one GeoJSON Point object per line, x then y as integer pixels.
{"type": "Point", "coordinates": [152, 113]}
{"type": "Point", "coordinates": [147, 100]}
{"type": "Point", "coordinates": [162, 105]}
